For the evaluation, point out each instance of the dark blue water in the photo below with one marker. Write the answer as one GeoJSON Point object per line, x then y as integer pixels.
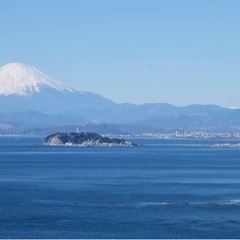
{"type": "Point", "coordinates": [164, 189]}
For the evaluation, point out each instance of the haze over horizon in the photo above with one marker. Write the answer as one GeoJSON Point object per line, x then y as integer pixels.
{"type": "Point", "coordinates": [178, 52]}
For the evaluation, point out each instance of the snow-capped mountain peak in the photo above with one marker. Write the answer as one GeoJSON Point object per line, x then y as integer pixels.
{"type": "Point", "coordinates": [23, 79]}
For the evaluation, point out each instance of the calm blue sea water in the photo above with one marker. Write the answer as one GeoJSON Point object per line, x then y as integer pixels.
{"type": "Point", "coordinates": [163, 189]}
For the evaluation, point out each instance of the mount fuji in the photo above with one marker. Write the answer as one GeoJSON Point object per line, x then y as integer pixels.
{"type": "Point", "coordinates": [24, 80]}
{"type": "Point", "coordinates": [24, 88]}
{"type": "Point", "coordinates": [29, 98]}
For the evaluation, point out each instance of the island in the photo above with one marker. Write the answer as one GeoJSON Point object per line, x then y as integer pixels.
{"type": "Point", "coordinates": [85, 139]}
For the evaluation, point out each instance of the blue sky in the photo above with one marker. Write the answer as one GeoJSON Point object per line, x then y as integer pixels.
{"type": "Point", "coordinates": [138, 51]}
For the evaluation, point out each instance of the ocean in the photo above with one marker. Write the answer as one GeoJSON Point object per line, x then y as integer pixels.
{"type": "Point", "coordinates": [164, 188]}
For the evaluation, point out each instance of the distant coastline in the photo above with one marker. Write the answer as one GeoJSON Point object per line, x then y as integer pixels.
{"type": "Point", "coordinates": [150, 135]}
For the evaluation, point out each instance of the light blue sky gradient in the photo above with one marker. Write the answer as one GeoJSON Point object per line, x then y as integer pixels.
{"type": "Point", "coordinates": [181, 52]}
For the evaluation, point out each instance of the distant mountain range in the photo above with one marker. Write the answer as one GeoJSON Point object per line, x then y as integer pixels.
{"type": "Point", "coordinates": [29, 99]}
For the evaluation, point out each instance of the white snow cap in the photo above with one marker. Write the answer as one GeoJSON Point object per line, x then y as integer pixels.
{"type": "Point", "coordinates": [23, 79]}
